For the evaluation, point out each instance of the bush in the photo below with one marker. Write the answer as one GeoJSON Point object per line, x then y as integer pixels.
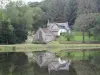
{"type": "Point", "coordinates": [66, 37]}
{"type": "Point", "coordinates": [37, 42]}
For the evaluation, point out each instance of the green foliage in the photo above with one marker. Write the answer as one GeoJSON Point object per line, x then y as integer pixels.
{"type": "Point", "coordinates": [96, 28]}
{"type": "Point", "coordinates": [86, 6]}
{"type": "Point", "coordinates": [86, 23]}
{"type": "Point", "coordinates": [39, 18]}
{"type": "Point", "coordinates": [76, 55]}
{"type": "Point", "coordinates": [29, 17]}
{"type": "Point", "coordinates": [65, 37]}
{"type": "Point", "coordinates": [60, 10]}
{"type": "Point", "coordinates": [97, 5]}
{"type": "Point", "coordinates": [6, 32]}
{"type": "Point", "coordinates": [22, 18]}
{"type": "Point", "coordinates": [33, 4]}
{"type": "Point", "coordinates": [13, 24]}
{"type": "Point", "coordinates": [96, 60]}
{"type": "Point", "coordinates": [70, 11]}
{"type": "Point", "coordinates": [18, 21]}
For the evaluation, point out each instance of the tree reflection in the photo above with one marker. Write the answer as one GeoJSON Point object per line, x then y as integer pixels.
{"type": "Point", "coordinates": [18, 64]}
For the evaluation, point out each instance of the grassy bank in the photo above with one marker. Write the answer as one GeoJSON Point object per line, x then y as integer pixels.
{"type": "Point", "coordinates": [48, 47]}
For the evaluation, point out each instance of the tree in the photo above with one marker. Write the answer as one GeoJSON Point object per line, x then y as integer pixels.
{"type": "Point", "coordinates": [6, 32]}
{"type": "Point", "coordinates": [85, 23]}
{"type": "Point", "coordinates": [34, 4]}
{"type": "Point", "coordinates": [24, 18]}
{"type": "Point", "coordinates": [60, 10]}
{"type": "Point", "coordinates": [70, 11]}
{"type": "Point", "coordinates": [86, 6]}
{"type": "Point", "coordinates": [3, 3]}
{"type": "Point", "coordinates": [28, 16]}
{"type": "Point", "coordinates": [96, 28]}
{"type": "Point", "coordinates": [97, 3]}
{"type": "Point", "coordinates": [39, 18]}
{"type": "Point", "coordinates": [6, 29]}
{"type": "Point", "coordinates": [16, 13]}
{"type": "Point", "coordinates": [54, 9]}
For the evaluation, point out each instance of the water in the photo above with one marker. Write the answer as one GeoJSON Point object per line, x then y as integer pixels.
{"type": "Point", "coordinates": [18, 64]}
{"type": "Point", "coordinates": [44, 71]}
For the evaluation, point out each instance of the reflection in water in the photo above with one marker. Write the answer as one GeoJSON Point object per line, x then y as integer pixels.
{"type": "Point", "coordinates": [44, 71]}
{"type": "Point", "coordinates": [17, 64]}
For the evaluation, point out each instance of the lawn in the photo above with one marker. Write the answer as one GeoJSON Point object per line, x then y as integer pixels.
{"type": "Point", "coordinates": [56, 47]}
{"type": "Point", "coordinates": [79, 38]}
{"type": "Point", "coordinates": [76, 37]}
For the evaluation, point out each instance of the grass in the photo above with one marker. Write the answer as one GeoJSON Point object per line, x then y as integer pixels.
{"type": "Point", "coordinates": [49, 47]}
{"type": "Point", "coordinates": [77, 37]}
{"type": "Point", "coordinates": [77, 55]}
{"type": "Point", "coordinates": [53, 46]}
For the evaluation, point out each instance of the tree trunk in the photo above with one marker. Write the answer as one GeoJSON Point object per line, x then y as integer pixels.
{"type": "Point", "coordinates": [89, 35]}
{"type": "Point", "coordinates": [83, 37]}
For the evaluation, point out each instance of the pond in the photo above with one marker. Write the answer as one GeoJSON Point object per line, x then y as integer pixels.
{"type": "Point", "coordinates": [18, 64]}
{"type": "Point", "coordinates": [44, 71]}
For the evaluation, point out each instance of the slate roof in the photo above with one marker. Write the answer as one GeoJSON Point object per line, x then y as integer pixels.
{"type": "Point", "coordinates": [62, 24]}
{"type": "Point", "coordinates": [59, 25]}
{"type": "Point", "coordinates": [47, 31]}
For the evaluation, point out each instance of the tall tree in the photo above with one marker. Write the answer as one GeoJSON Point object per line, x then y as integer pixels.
{"type": "Point", "coordinates": [96, 27]}
{"type": "Point", "coordinates": [33, 4]}
{"type": "Point", "coordinates": [85, 23]}
{"type": "Point", "coordinates": [39, 18]}
{"type": "Point", "coordinates": [55, 9]}
{"type": "Point", "coordinates": [6, 32]}
{"type": "Point", "coordinates": [86, 6]}
{"type": "Point", "coordinates": [97, 3]}
{"type": "Point", "coordinates": [70, 11]}
{"type": "Point", "coordinates": [16, 12]}
{"type": "Point", "coordinates": [60, 10]}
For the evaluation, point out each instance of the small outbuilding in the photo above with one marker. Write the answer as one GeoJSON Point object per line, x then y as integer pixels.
{"type": "Point", "coordinates": [44, 35]}
{"type": "Point", "coordinates": [43, 59]}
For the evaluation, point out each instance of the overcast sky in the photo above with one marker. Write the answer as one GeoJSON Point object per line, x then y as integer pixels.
{"type": "Point", "coordinates": [29, 0]}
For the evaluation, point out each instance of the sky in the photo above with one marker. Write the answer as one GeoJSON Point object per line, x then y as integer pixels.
{"type": "Point", "coordinates": [26, 1]}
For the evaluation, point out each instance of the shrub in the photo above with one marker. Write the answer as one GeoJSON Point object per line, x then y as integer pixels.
{"type": "Point", "coordinates": [66, 37]}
